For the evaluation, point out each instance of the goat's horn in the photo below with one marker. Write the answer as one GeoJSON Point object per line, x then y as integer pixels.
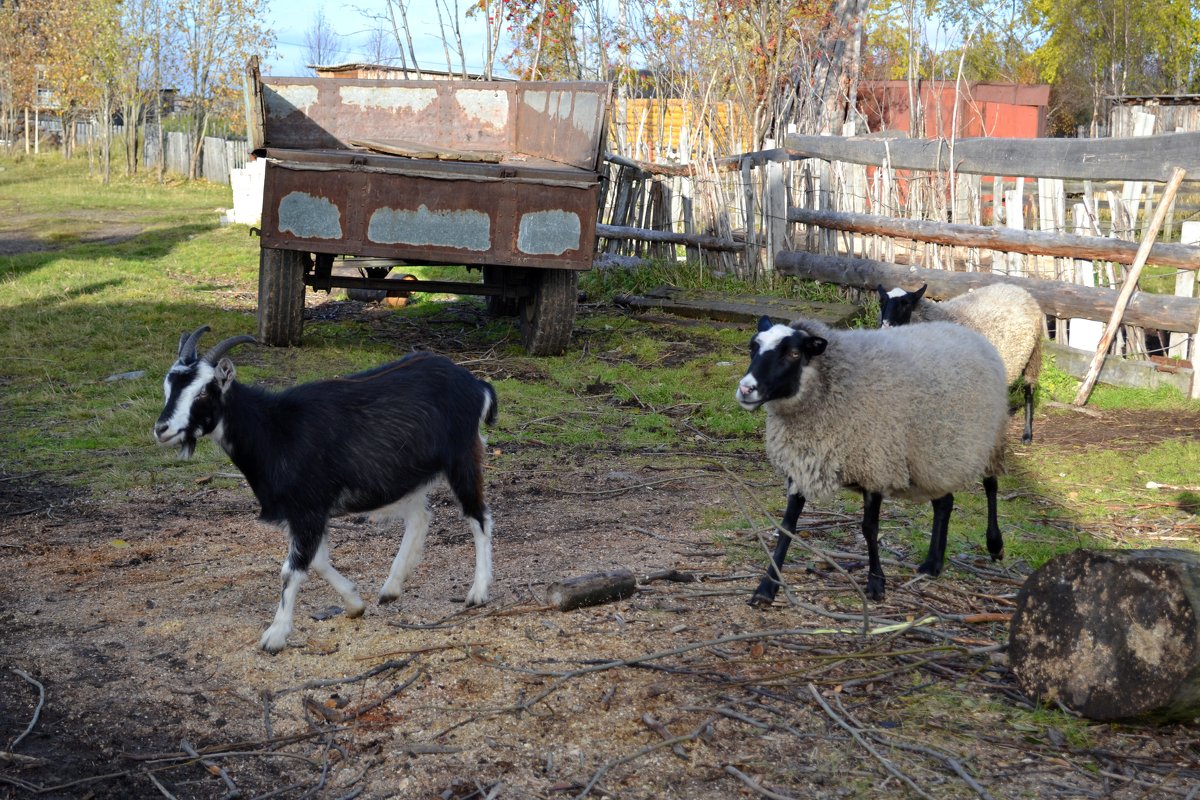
{"type": "Point", "coordinates": [187, 344]}
{"type": "Point", "coordinates": [221, 348]}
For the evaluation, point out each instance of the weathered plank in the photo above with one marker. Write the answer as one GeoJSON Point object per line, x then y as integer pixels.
{"type": "Point", "coordinates": [997, 238]}
{"type": "Point", "coordinates": [421, 150]}
{"type": "Point", "coordinates": [1142, 158]}
{"type": "Point", "coordinates": [1057, 299]}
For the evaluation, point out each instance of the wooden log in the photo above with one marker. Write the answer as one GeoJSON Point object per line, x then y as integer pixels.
{"type": "Point", "coordinates": [995, 238]}
{"type": "Point", "coordinates": [1112, 634]}
{"type": "Point", "coordinates": [1056, 298]}
{"type": "Point", "coordinates": [1144, 158]}
{"type": "Point", "coordinates": [692, 239]}
{"type": "Point", "coordinates": [1130, 284]}
{"type": "Point", "coordinates": [591, 589]}
{"type": "Point", "coordinates": [746, 308]}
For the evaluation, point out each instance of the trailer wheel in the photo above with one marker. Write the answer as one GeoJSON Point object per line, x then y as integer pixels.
{"type": "Point", "coordinates": [548, 312]}
{"type": "Point", "coordinates": [498, 306]}
{"type": "Point", "coordinates": [281, 296]}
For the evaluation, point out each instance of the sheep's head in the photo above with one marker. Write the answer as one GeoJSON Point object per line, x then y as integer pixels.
{"type": "Point", "coordinates": [778, 356]}
{"type": "Point", "coordinates": [897, 306]}
{"type": "Point", "coordinates": [193, 389]}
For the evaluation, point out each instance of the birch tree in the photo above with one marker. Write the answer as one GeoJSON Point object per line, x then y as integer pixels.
{"type": "Point", "coordinates": [216, 38]}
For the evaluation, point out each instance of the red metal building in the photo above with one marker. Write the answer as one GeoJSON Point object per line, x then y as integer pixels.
{"type": "Point", "coordinates": [1006, 111]}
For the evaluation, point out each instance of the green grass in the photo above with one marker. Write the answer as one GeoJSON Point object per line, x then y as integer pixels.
{"type": "Point", "coordinates": [77, 311]}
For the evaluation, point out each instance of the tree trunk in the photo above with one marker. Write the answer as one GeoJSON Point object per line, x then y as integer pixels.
{"type": "Point", "coordinates": [1112, 634]}
{"type": "Point", "coordinates": [838, 64]}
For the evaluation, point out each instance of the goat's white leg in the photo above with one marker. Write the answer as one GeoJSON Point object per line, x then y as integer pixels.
{"type": "Point", "coordinates": [483, 559]}
{"type": "Point", "coordinates": [340, 583]}
{"type": "Point", "coordinates": [415, 511]}
{"type": "Point", "coordinates": [274, 638]}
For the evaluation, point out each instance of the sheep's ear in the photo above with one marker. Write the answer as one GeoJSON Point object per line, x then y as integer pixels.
{"type": "Point", "coordinates": [813, 346]}
{"type": "Point", "coordinates": [919, 293]}
{"type": "Point", "coordinates": [225, 372]}
{"type": "Point", "coordinates": [764, 323]}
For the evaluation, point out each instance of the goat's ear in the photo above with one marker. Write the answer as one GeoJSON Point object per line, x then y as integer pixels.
{"type": "Point", "coordinates": [813, 346]}
{"type": "Point", "coordinates": [764, 323]}
{"type": "Point", "coordinates": [225, 372]}
{"type": "Point", "coordinates": [919, 293]}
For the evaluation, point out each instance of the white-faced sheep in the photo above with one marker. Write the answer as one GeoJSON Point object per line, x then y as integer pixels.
{"type": "Point", "coordinates": [374, 441]}
{"type": "Point", "coordinates": [914, 413]}
{"type": "Point", "coordinates": [1007, 315]}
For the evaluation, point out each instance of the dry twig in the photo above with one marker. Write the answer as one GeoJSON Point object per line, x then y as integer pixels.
{"type": "Point", "coordinates": [858, 737]}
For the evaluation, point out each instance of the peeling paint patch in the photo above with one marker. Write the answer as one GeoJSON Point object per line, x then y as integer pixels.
{"type": "Point", "coordinates": [286, 99]}
{"type": "Point", "coordinates": [580, 109]}
{"type": "Point", "coordinates": [536, 101]}
{"type": "Point", "coordinates": [465, 230]}
{"type": "Point", "coordinates": [587, 113]}
{"type": "Point", "coordinates": [486, 106]}
{"type": "Point", "coordinates": [388, 98]}
{"type": "Point", "coordinates": [309, 217]}
{"type": "Point", "coordinates": [548, 233]}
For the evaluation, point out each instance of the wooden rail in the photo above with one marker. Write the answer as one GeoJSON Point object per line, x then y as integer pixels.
{"type": "Point", "coordinates": [996, 238]}
{"type": "Point", "coordinates": [1141, 158]}
{"type": "Point", "coordinates": [1058, 299]}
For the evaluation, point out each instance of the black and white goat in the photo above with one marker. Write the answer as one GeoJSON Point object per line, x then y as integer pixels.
{"type": "Point", "coordinates": [377, 441]}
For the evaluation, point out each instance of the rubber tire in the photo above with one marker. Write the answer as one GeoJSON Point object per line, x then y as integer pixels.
{"type": "Point", "coordinates": [547, 314]}
{"type": "Point", "coordinates": [281, 296]}
{"type": "Point", "coordinates": [499, 306]}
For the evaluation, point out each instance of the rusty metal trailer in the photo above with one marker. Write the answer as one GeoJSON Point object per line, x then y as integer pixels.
{"type": "Point", "coordinates": [499, 175]}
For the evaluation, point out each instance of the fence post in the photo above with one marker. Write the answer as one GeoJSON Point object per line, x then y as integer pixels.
{"type": "Point", "coordinates": [774, 212]}
{"type": "Point", "coordinates": [1131, 278]}
{"type": "Point", "coordinates": [1182, 345]}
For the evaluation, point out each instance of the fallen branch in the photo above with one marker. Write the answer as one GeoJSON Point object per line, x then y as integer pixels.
{"type": "Point", "coordinates": [36, 711]}
{"type": "Point", "coordinates": [755, 785]}
{"type": "Point", "coordinates": [650, 722]}
{"type": "Point", "coordinates": [858, 737]}
{"type": "Point", "coordinates": [213, 768]}
{"type": "Point", "coordinates": [650, 748]}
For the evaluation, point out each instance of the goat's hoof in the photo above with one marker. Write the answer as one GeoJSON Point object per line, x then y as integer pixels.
{"type": "Point", "coordinates": [930, 568]}
{"type": "Point", "coordinates": [998, 555]}
{"type": "Point", "coordinates": [1027, 439]}
{"type": "Point", "coordinates": [875, 589]}
{"type": "Point", "coordinates": [355, 611]}
{"type": "Point", "coordinates": [273, 641]}
{"type": "Point", "coordinates": [384, 599]}
{"type": "Point", "coordinates": [761, 600]}
{"type": "Point", "coordinates": [473, 601]}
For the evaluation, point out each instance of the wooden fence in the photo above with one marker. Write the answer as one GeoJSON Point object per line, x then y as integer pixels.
{"type": "Point", "coordinates": [218, 156]}
{"type": "Point", "coordinates": [1053, 213]}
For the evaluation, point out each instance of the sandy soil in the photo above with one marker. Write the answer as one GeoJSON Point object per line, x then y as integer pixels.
{"type": "Point", "coordinates": [139, 616]}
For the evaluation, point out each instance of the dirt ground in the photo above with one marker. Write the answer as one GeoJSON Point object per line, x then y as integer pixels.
{"type": "Point", "coordinates": [138, 615]}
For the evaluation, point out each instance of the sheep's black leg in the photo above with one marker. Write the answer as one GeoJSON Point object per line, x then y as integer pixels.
{"type": "Point", "coordinates": [1027, 436]}
{"type": "Point", "coordinates": [937, 539]}
{"type": "Point", "coordinates": [995, 542]}
{"type": "Point", "coordinates": [764, 595]}
{"type": "Point", "coordinates": [870, 528]}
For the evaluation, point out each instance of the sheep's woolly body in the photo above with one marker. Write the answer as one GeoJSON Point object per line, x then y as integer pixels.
{"type": "Point", "coordinates": [914, 413]}
{"type": "Point", "coordinates": [1008, 316]}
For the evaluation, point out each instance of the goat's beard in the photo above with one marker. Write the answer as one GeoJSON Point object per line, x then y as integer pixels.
{"type": "Point", "coordinates": [186, 448]}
